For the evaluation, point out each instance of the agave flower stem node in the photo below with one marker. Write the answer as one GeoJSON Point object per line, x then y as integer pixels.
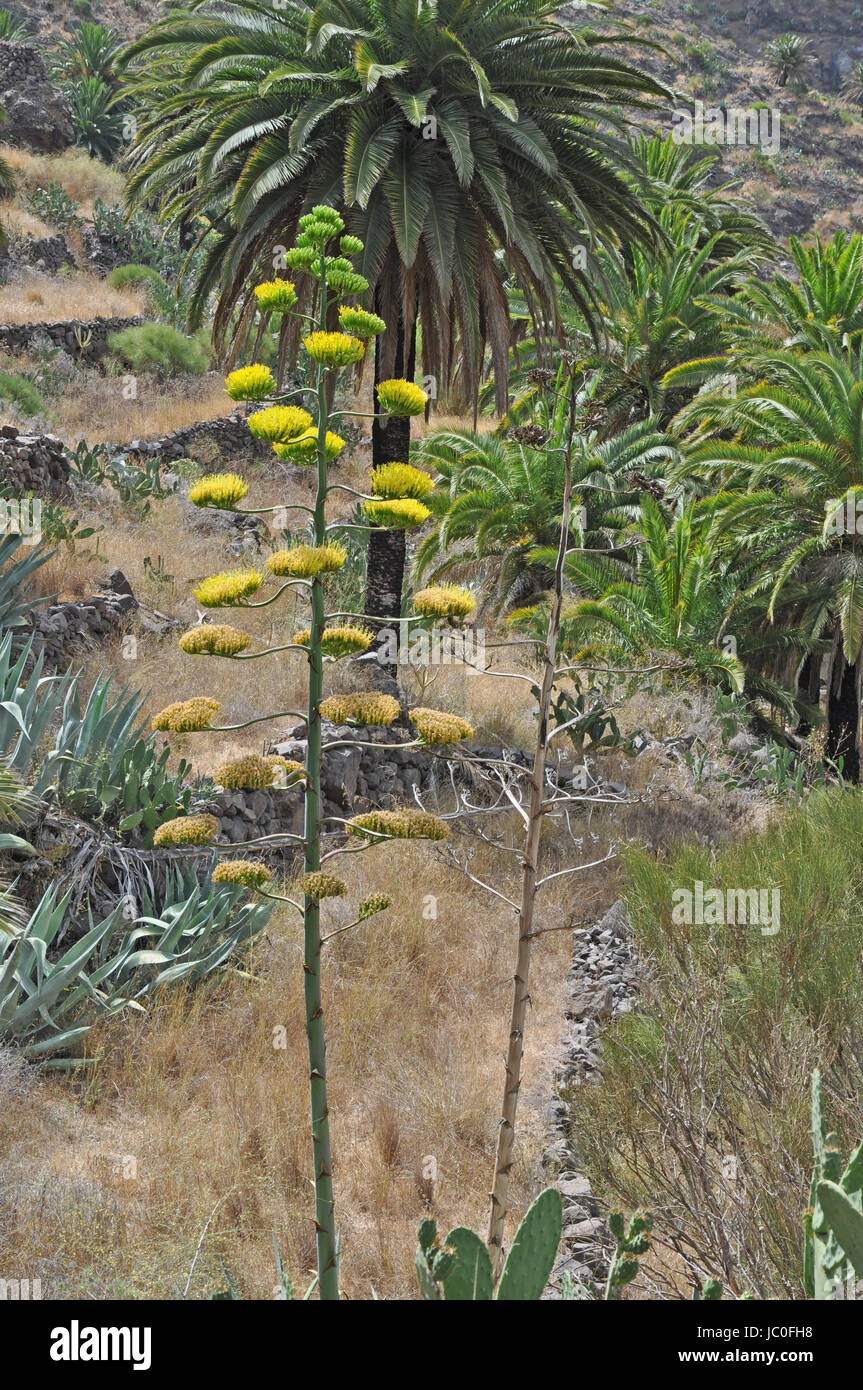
{"type": "Point", "coordinates": [187, 830]}
{"type": "Point", "coordinates": [253, 383]}
{"type": "Point", "coordinates": [221, 490]}
{"type": "Point", "coordinates": [186, 716]}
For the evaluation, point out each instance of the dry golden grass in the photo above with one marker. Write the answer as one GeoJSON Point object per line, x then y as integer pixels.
{"type": "Point", "coordinates": [19, 220]}
{"type": "Point", "coordinates": [95, 408]}
{"type": "Point", "coordinates": [204, 1115]}
{"type": "Point", "coordinates": [51, 298]}
{"type": "Point", "coordinates": [83, 179]}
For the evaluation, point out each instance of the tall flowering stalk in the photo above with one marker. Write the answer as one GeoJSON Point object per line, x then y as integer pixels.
{"type": "Point", "coordinates": [301, 433]}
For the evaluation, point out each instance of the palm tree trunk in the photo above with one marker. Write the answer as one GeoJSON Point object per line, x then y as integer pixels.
{"type": "Point", "coordinates": [391, 442]}
{"type": "Point", "coordinates": [843, 717]}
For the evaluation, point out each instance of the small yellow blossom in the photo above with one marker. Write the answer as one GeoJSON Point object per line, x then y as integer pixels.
{"type": "Point", "coordinates": [337, 642]}
{"type": "Point", "coordinates": [445, 601]}
{"type": "Point", "coordinates": [275, 296]}
{"type": "Point", "coordinates": [360, 322]}
{"type": "Point", "coordinates": [317, 886]}
{"type": "Point", "coordinates": [304, 449]}
{"type": "Point", "coordinates": [374, 903]}
{"type": "Point", "coordinates": [214, 639]}
{"type": "Point", "coordinates": [251, 873]}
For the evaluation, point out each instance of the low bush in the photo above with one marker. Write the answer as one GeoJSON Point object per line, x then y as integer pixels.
{"type": "Point", "coordinates": [16, 390]}
{"type": "Point", "coordinates": [161, 349]}
{"type": "Point", "coordinates": [702, 1114]}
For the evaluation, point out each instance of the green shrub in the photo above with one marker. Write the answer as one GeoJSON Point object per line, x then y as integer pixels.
{"type": "Point", "coordinates": [161, 349]}
{"type": "Point", "coordinates": [126, 275]}
{"type": "Point", "coordinates": [53, 205]}
{"type": "Point", "coordinates": [741, 1018]}
{"type": "Point", "coordinates": [97, 124]}
{"type": "Point", "coordinates": [16, 390]}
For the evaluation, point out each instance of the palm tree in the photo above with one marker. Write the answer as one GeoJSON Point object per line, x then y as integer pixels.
{"type": "Point", "coordinates": [787, 456]}
{"type": "Point", "coordinates": [822, 307]}
{"type": "Point", "coordinates": [498, 499]}
{"type": "Point", "coordinates": [852, 87]}
{"type": "Point", "coordinates": [787, 57]}
{"type": "Point", "coordinates": [461, 139]}
{"type": "Point", "coordinates": [663, 312]}
{"type": "Point", "coordinates": [664, 606]}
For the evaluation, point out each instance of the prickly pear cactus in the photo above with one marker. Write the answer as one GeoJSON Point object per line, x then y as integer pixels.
{"type": "Point", "coordinates": [531, 1256]}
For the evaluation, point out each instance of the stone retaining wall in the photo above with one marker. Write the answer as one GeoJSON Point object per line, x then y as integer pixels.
{"type": "Point", "coordinates": [352, 780]}
{"type": "Point", "coordinates": [229, 433]}
{"type": "Point", "coordinates": [34, 463]}
{"type": "Point", "coordinates": [84, 339]}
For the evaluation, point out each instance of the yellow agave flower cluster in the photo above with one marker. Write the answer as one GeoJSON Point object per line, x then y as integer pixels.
{"type": "Point", "coordinates": [276, 296]}
{"type": "Point", "coordinates": [364, 707]}
{"type": "Point", "coordinates": [400, 397]}
{"type": "Point", "coordinates": [254, 772]}
{"type": "Point", "coordinates": [279, 422]}
{"type": "Point", "coordinates": [318, 886]}
{"type": "Point", "coordinates": [186, 716]}
{"type": "Point", "coordinates": [434, 726]}
{"type": "Point", "coordinates": [223, 490]}
{"type": "Point", "coordinates": [334, 349]}
{"type": "Point", "coordinates": [187, 830]}
{"type": "Point", "coordinates": [305, 561]}
{"type": "Point", "coordinates": [360, 322]}
{"type": "Point", "coordinates": [304, 449]}
{"type": "Point", "coordinates": [375, 902]}
{"type": "Point", "coordinates": [337, 642]}
{"type": "Point", "coordinates": [446, 602]}
{"type": "Point", "coordinates": [227, 590]}
{"type": "Point", "coordinates": [253, 383]}
{"type": "Point", "coordinates": [406, 824]}
{"type": "Point", "coordinates": [250, 873]}
{"type": "Point", "coordinates": [400, 480]}
{"type": "Point", "coordinates": [214, 639]}
{"type": "Point", "coordinates": [398, 514]}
